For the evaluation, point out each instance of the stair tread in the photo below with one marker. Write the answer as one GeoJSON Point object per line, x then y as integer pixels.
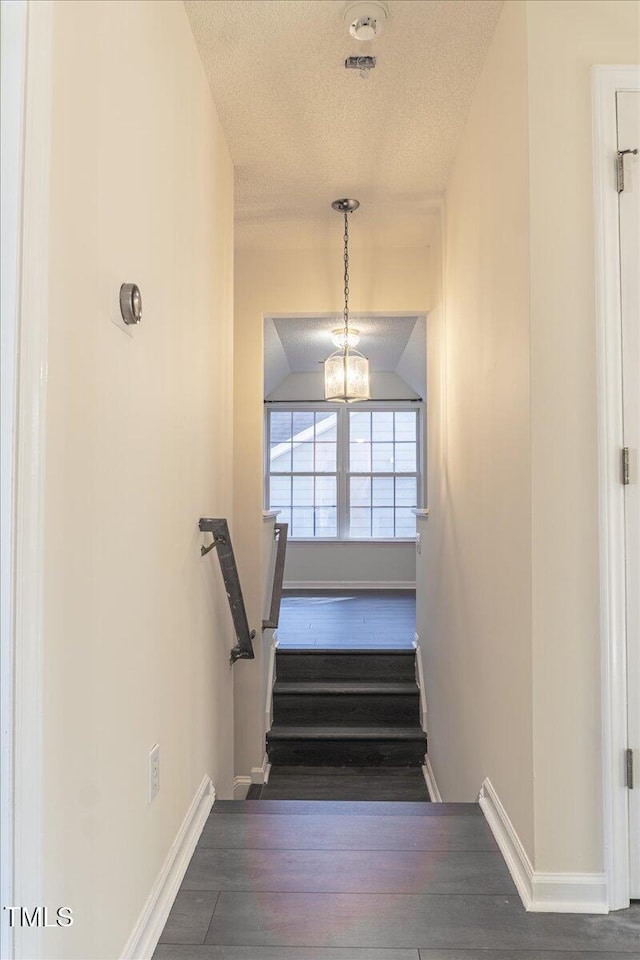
{"type": "Point", "coordinates": [347, 687]}
{"type": "Point", "coordinates": [290, 732]}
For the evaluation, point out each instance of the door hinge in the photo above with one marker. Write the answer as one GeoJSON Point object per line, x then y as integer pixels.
{"type": "Point", "coordinates": [628, 768]}
{"type": "Point", "coordinates": [626, 468]}
{"type": "Point", "coordinates": [621, 154]}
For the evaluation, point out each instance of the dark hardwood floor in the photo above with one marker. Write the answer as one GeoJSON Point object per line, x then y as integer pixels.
{"type": "Point", "coordinates": [376, 881]}
{"type": "Point", "coordinates": [343, 783]}
{"type": "Point", "coordinates": [299, 874]}
{"type": "Point", "coordinates": [343, 618]}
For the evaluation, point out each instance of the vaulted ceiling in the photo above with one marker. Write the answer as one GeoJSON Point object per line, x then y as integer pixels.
{"type": "Point", "coordinates": [392, 344]}
{"type": "Point", "coordinates": [303, 130]}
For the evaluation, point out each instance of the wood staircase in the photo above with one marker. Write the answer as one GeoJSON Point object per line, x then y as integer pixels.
{"type": "Point", "coordinates": [346, 708]}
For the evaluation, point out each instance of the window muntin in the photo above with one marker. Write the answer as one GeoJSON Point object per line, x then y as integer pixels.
{"type": "Point", "coordinates": [303, 473]}
{"type": "Point", "coordinates": [374, 451]}
{"type": "Point", "coordinates": [382, 473]}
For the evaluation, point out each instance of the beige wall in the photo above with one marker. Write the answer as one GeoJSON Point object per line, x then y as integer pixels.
{"type": "Point", "coordinates": [136, 626]}
{"type": "Point", "coordinates": [476, 628]}
{"type": "Point", "coordinates": [511, 565]}
{"type": "Point", "coordinates": [281, 281]}
{"type": "Point", "coordinates": [352, 563]}
{"type": "Point", "coordinates": [565, 39]}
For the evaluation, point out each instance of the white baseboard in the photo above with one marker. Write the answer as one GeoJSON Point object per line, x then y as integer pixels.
{"type": "Point", "coordinates": [241, 787]}
{"type": "Point", "coordinates": [258, 775]}
{"type": "Point", "coordinates": [570, 893]}
{"type": "Point", "coordinates": [150, 924]}
{"type": "Point", "coordinates": [430, 780]}
{"type": "Point", "coordinates": [540, 892]}
{"type": "Point", "coordinates": [511, 847]}
{"type": "Point", "coordinates": [349, 585]}
{"type": "Point", "coordinates": [261, 774]}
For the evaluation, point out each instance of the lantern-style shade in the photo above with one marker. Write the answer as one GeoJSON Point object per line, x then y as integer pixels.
{"type": "Point", "coordinates": [346, 376]}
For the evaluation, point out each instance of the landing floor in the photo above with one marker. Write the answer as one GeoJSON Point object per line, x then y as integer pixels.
{"type": "Point", "coordinates": [347, 618]}
{"type": "Point", "coordinates": [367, 881]}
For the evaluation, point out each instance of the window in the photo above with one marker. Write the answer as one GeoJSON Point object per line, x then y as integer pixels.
{"type": "Point", "coordinates": [383, 473]}
{"type": "Point", "coordinates": [303, 472]}
{"type": "Point", "coordinates": [345, 473]}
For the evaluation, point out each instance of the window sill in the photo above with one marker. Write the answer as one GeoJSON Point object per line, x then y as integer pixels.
{"type": "Point", "coordinates": [332, 541]}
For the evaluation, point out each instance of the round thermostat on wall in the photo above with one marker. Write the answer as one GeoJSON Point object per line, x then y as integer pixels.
{"type": "Point", "coordinates": [130, 303]}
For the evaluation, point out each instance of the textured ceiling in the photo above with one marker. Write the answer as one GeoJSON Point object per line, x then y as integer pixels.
{"type": "Point", "coordinates": [302, 130]}
{"type": "Point", "coordinates": [306, 341]}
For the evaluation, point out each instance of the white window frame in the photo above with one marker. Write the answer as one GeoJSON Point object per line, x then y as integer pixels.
{"type": "Point", "coordinates": [302, 408]}
{"type": "Point", "coordinates": [342, 459]}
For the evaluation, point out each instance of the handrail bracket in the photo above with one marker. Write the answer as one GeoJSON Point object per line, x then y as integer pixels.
{"type": "Point", "coordinates": [217, 541]}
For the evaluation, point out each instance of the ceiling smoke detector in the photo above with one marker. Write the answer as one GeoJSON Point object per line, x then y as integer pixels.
{"type": "Point", "coordinates": [365, 18]}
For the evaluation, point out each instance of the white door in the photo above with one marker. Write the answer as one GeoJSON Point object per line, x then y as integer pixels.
{"type": "Point", "coordinates": [628, 110]}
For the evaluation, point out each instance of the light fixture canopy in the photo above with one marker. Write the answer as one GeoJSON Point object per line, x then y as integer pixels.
{"type": "Point", "coordinates": [340, 338]}
{"type": "Point", "coordinates": [365, 19]}
{"type": "Point", "coordinates": [346, 371]}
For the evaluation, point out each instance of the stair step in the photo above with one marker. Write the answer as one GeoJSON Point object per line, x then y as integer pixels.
{"type": "Point", "coordinates": [323, 664]}
{"type": "Point", "coordinates": [347, 687]}
{"type": "Point", "coordinates": [331, 702]}
{"type": "Point", "coordinates": [346, 745]}
{"type": "Point", "coordinates": [344, 808]}
{"type": "Point", "coordinates": [286, 731]}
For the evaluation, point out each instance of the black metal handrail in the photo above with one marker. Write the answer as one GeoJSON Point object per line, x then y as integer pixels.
{"type": "Point", "coordinates": [280, 533]}
{"type": "Point", "coordinates": [219, 528]}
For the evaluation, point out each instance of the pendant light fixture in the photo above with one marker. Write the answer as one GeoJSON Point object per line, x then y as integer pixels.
{"type": "Point", "coordinates": [346, 372]}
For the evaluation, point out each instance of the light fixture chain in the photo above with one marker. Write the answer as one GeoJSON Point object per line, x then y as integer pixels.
{"type": "Point", "coordinates": [346, 273]}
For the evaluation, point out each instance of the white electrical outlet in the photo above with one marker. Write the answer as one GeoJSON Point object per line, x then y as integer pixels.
{"type": "Point", "coordinates": [154, 772]}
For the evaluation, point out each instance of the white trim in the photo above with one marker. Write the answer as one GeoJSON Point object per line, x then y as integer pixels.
{"type": "Point", "coordinates": [146, 933]}
{"type": "Point", "coordinates": [421, 513]}
{"type": "Point", "coordinates": [506, 837]}
{"type": "Point", "coordinates": [540, 892]}
{"type": "Point", "coordinates": [421, 684]}
{"type": "Point", "coordinates": [338, 317]}
{"type": "Point", "coordinates": [569, 893]}
{"type": "Point", "coordinates": [349, 585]}
{"type": "Point", "coordinates": [606, 81]}
{"type": "Point", "coordinates": [430, 780]}
{"type": "Point", "coordinates": [271, 679]}
{"type": "Point", "coordinates": [332, 541]}
{"type": "Point", "coordinates": [241, 787]}
{"type": "Point", "coordinates": [270, 515]}
{"type": "Point", "coordinates": [27, 570]}
{"type": "Point", "coordinates": [261, 774]}
{"type": "Point", "coordinates": [13, 58]}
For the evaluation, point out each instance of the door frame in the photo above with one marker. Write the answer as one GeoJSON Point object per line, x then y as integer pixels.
{"type": "Point", "coordinates": [26, 65]}
{"type": "Point", "coordinates": [606, 82]}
